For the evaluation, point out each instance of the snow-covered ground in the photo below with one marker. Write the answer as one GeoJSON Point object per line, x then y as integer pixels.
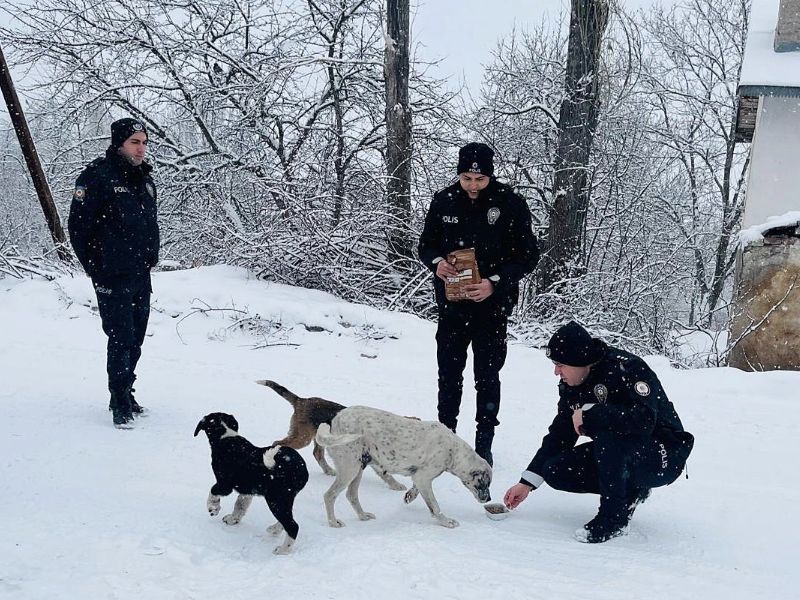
{"type": "Point", "coordinates": [93, 512]}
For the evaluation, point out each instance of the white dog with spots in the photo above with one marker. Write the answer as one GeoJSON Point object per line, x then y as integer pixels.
{"type": "Point", "coordinates": [422, 450]}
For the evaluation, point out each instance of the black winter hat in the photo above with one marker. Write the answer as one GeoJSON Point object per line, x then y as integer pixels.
{"type": "Point", "coordinates": [122, 129]}
{"type": "Point", "coordinates": [476, 158]}
{"type": "Point", "coordinates": [572, 345]}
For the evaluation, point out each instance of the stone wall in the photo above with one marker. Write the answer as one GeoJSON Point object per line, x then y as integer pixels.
{"type": "Point", "coordinates": [765, 328]}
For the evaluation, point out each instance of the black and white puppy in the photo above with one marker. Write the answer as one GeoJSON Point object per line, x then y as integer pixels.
{"type": "Point", "coordinates": [277, 473]}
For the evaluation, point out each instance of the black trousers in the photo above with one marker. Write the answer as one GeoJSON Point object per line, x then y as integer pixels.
{"type": "Point", "coordinates": [617, 466]}
{"type": "Point", "coordinates": [124, 305]}
{"type": "Point", "coordinates": [483, 325]}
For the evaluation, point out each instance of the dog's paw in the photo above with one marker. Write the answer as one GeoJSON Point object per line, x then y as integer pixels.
{"type": "Point", "coordinates": [447, 522]}
{"type": "Point", "coordinates": [336, 523]}
{"type": "Point", "coordinates": [410, 495]}
{"type": "Point", "coordinates": [231, 519]}
{"type": "Point", "coordinates": [282, 550]}
{"type": "Point", "coordinates": [365, 516]}
{"type": "Point", "coordinates": [275, 529]}
{"type": "Point", "coordinates": [213, 509]}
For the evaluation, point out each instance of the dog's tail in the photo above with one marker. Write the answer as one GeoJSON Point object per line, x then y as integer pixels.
{"type": "Point", "coordinates": [293, 399]}
{"type": "Point", "coordinates": [327, 439]}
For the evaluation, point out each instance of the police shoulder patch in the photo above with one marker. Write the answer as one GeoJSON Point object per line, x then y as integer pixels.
{"type": "Point", "coordinates": [493, 215]}
{"type": "Point", "coordinates": [80, 192]}
{"type": "Point", "coordinates": [600, 392]}
{"type": "Point", "coordinates": [641, 388]}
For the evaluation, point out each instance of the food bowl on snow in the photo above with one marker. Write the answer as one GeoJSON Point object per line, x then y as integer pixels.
{"type": "Point", "coordinates": [496, 511]}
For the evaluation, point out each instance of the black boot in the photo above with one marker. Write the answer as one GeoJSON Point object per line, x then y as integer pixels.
{"type": "Point", "coordinates": [483, 444]}
{"type": "Point", "coordinates": [611, 521]}
{"type": "Point", "coordinates": [137, 409]}
{"type": "Point", "coordinates": [602, 528]}
{"type": "Point", "coordinates": [121, 410]}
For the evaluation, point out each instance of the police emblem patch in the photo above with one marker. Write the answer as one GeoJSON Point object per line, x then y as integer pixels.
{"type": "Point", "coordinates": [641, 388]}
{"type": "Point", "coordinates": [137, 127]}
{"type": "Point", "coordinates": [600, 392]}
{"type": "Point", "coordinates": [80, 193]}
{"type": "Point", "coordinates": [150, 189]}
{"type": "Point", "coordinates": [547, 352]}
{"type": "Point", "coordinates": [493, 215]}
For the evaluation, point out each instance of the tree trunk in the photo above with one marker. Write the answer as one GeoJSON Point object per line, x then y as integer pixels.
{"type": "Point", "coordinates": [398, 127]}
{"type": "Point", "coordinates": [32, 160]}
{"type": "Point", "coordinates": [577, 124]}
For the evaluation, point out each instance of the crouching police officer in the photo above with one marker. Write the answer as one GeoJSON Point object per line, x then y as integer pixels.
{"type": "Point", "coordinates": [638, 442]}
{"type": "Point", "coordinates": [113, 228]}
{"type": "Point", "coordinates": [481, 213]}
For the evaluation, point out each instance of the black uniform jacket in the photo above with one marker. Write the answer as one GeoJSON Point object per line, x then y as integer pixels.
{"type": "Point", "coordinates": [113, 222]}
{"type": "Point", "coordinates": [628, 401]}
{"type": "Point", "coordinates": [497, 225]}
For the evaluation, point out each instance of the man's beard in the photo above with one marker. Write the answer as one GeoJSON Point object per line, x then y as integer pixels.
{"type": "Point", "coordinates": [135, 162]}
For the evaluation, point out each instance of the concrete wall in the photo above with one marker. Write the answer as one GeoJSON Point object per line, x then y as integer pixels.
{"type": "Point", "coordinates": [773, 186]}
{"type": "Point", "coordinates": [766, 319]}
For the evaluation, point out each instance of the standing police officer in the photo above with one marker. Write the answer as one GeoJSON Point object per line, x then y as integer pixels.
{"type": "Point", "coordinates": [481, 213]}
{"type": "Point", "coordinates": [638, 441]}
{"type": "Point", "coordinates": [113, 228]}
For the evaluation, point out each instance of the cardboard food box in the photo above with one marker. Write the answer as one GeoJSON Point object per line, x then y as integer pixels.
{"type": "Point", "coordinates": [467, 267]}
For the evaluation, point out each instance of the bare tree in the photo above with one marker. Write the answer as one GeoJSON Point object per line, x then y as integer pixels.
{"type": "Point", "coordinates": [651, 222]}
{"type": "Point", "coordinates": [576, 127]}
{"type": "Point", "coordinates": [692, 87]}
{"type": "Point", "coordinates": [398, 126]}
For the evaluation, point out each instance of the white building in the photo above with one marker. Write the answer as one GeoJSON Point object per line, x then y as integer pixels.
{"type": "Point", "coordinates": [769, 109]}
{"type": "Point", "coordinates": [765, 328]}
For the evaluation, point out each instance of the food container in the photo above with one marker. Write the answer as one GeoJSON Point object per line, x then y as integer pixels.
{"type": "Point", "coordinates": [496, 511]}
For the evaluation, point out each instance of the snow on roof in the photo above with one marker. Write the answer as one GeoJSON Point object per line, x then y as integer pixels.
{"type": "Point", "coordinates": [762, 66]}
{"type": "Point", "coordinates": [756, 232]}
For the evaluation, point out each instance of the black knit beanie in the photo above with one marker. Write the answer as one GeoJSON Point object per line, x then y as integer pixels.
{"type": "Point", "coordinates": [572, 345]}
{"type": "Point", "coordinates": [476, 158]}
{"type": "Point", "coordinates": [122, 129]}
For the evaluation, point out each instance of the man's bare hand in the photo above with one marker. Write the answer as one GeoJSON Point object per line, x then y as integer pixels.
{"type": "Point", "coordinates": [444, 270]}
{"type": "Point", "coordinates": [577, 421]}
{"type": "Point", "coordinates": [516, 494]}
{"type": "Point", "coordinates": [479, 292]}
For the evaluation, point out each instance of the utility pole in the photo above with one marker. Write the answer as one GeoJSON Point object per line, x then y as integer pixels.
{"type": "Point", "coordinates": [32, 160]}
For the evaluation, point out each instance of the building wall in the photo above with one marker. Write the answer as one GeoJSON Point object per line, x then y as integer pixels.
{"type": "Point", "coordinates": [787, 34]}
{"type": "Point", "coordinates": [773, 186]}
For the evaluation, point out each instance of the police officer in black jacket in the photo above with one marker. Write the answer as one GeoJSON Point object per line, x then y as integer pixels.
{"type": "Point", "coordinates": [476, 212]}
{"type": "Point", "coordinates": [114, 231]}
{"type": "Point", "coordinates": [638, 441]}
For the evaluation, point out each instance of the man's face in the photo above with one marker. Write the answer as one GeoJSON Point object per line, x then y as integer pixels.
{"type": "Point", "coordinates": [572, 376]}
{"type": "Point", "coordinates": [473, 183]}
{"type": "Point", "coordinates": [134, 148]}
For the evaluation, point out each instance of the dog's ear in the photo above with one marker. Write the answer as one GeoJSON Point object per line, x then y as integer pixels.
{"type": "Point", "coordinates": [201, 426]}
{"type": "Point", "coordinates": [231, 422]}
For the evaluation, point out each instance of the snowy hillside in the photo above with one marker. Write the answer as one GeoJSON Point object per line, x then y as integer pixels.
{"type": "Point", "coordinates": [91, 512]}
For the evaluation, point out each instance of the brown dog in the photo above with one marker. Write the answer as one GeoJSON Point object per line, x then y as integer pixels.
{"type": "Point", "coordinates": [308, 415]}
